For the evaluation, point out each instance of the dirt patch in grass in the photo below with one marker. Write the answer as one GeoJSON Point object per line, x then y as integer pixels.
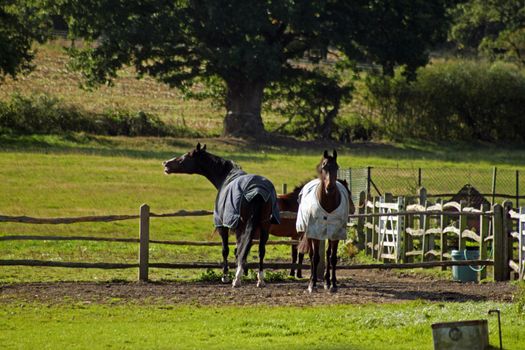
{"type": "Point", "coordinates": [354, 288]}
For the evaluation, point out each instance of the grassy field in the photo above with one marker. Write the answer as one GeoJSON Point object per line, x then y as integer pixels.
{"type": "Point", "coordinates": [76, 175]}
{"type": "Point", "coordinates": [160, 326]}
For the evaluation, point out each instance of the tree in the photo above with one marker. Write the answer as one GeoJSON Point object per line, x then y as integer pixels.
{"type": "Point", "coordinates": [495, 28]}
{"type": "Point", "coordinates": [21, 23]}
{"type": "Point", "coordinates": [244, 44]}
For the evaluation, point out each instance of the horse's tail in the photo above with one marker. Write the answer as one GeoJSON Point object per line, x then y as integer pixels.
{"type": "Point", "coordinates": [252, 221]}
{"type": "Point", "coordinates": [304, 247]}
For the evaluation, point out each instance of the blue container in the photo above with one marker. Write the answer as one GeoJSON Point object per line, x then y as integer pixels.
{"type": "Point", "coordinates": [465, 273]}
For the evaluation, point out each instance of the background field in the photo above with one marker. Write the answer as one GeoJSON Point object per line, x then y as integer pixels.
{"type": "Point", "coordinates": [77, 175]}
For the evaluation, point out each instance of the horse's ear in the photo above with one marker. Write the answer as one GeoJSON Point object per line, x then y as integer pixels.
{"type": "Point", "coordinates": [198, 148]}
{"type": "Point", "coordinates": [204, 147]}
{"type": "Point", "coordinates": [325, 154]}
{"type": "Point", "coordinates": [335, 154]}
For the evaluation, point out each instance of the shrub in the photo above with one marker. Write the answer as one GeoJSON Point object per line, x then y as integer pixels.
{"type": "Point", "coordinates": [42, 114]}
{"type": "Point", "coordinates": [452, 100]}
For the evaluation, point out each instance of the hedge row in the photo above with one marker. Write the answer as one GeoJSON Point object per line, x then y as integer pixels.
{"type": "Point", "coordinates": [452, 100]}
{"type": "Point", "coordinates": [42, 114]}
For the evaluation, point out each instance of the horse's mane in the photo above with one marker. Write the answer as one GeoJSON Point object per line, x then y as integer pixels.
{"type": "Point", "coordinates": [235, 165]}
{"type": "Point", "coordinates": [221, 162]}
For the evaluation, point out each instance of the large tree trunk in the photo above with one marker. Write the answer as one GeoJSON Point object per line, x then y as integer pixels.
{"type": "Point", "coordinates": [243, 103]}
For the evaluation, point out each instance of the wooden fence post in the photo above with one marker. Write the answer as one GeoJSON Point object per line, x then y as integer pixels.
{"type": "Point", "coordinates": [443, 243]}
{"type": "Point", "coordinates": [424, 225]}
{"type": "Point", "coordinates": [494, 174]}
{"type": "Point", "coordinates": [508, 224]}
{"type": "Point", "coordinates": [285, 188]}
{"type": "Point", "coordinates": [375, 224]}
{"type": "Point", "coordinates": [144, 243]}
{"type": "Point", "coordinates": [498, 243]}
{"type": "Point", "coordinates": [483, 233]}
{"type": "Point", "coordinates": [462, 227]}
{"type": "Point", "coordinates": [361, 240]}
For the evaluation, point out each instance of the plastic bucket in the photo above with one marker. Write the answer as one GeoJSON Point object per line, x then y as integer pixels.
{"type": "Point", "coordinates": [465, 273]}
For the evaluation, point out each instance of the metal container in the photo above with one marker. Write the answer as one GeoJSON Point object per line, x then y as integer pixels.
{"type": "Point", "coordinates": [463, 335]}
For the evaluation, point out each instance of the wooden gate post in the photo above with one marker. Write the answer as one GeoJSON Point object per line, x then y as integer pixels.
{"type": "Point", "coordinates": [361, 234]}
{"type": "Point", "coordinates": [498, 243]}
{"type": "Point", "coordinates": [508, 225]}
{"type": "Point", "coordinates": [483, 233]}
{"type": "Point", "coordinates": [144, 243]}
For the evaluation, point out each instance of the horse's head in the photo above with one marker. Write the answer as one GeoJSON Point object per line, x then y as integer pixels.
{"type": "Point", "coordinates": [327, 171]}
{"type": "Point", "coordinates": [186, 163]}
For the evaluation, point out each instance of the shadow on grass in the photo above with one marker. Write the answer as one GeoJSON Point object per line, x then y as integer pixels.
{"type": "Point", "coordinates": [257, 149]}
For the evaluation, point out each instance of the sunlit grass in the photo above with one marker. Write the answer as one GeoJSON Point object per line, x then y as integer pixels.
{"type": "Point", "coordinates": [162, 326]}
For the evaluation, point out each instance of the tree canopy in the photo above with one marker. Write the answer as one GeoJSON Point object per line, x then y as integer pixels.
{"type": "Point", "coordinates": [496, 28]}
{"type": "Point", "coordinates": [245, 44]}
{"type": "Point", "coordinates": [21, 23]}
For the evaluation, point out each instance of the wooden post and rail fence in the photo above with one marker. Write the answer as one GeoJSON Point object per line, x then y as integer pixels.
{"type": "Point", "coordinates": [385, 229]}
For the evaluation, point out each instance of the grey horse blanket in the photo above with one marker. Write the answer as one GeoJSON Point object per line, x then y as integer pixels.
{"type": "Point", "coordinates": [237, 185]}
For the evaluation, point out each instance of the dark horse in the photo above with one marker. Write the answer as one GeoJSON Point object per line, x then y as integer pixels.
{"type": "Point", "coordinates": [245, 204]}
{"type": "Point", "coordinates": [323, 213]}
{"type": "Point", "coordinates": [286, 228]}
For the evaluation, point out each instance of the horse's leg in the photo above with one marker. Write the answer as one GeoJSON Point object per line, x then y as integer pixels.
{"type": "Point", "coordinates": [327, 271]}
{"type": "Point", "coordinates": [294, 259]}
{"type": "Point", "coordinates": [251, 212]}
{"type": "Point", "coordinates": [262, 251]}
{"type": "Point", "coordinates": [299, 268]}
{"type": "Point", "coordinates": [315, 262]}
{"type": "Point", "coordinates": [333, 262]}
{"type": "Point", "coordinates": [224, 231]}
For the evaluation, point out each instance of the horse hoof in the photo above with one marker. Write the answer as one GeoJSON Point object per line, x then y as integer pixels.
{"type": "Point", "coordinates": [311, 288]}
{"type": "Point", "coordinates": [326, 286]}
{"type": "Point", "coordinates": [292, 273]}
{"type": "Point", "coordinates": [333, 289]}
{"type": "Point", "coordinates": [261, 284]}
{"type": "Point", "coordinates": [225, 279]}
{"type": "Point", "coordinates": [236, 283]}
{"type": "Point", "coordinates": [299, 275]}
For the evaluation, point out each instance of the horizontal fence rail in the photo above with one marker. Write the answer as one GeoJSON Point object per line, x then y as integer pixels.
{"type": "Point", "coordinates": [270, 265]}
{"type": "Point", "coordinates": [371, 217]}
{"type": "Point", "coordinates": [129, 240]}
{"type": "Point", "coordinates": [104, 218]}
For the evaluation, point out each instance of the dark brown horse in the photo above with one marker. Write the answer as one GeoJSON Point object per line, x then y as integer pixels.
{"type": "Point", "coordinates": [246, 204]}
{"type": "Point", "coordinates": [286, 228]}
{"type": "Point", "coordinates": [323, 214]}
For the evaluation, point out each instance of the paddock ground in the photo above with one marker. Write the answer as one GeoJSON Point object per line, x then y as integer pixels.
{"type": "Point", "coordinates": [355, 287]}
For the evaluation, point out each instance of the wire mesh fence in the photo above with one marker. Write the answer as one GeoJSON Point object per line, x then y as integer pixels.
{"type": "Point", "coordinates": [494, 184]}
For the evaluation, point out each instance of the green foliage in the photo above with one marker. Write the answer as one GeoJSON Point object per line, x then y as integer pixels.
{"type": "Point", "coordinates": [42, 114]}
{"type": "Point", "coordinates": [310, 101]}
{"type": "Point", "coordinates": [240, 47]}
{"type": "Point", "coordinates": [456, 100]}
{"type": "Point", "coordinates": [21, 24]}
{"type": "Point", "coordinates": [493, 27]}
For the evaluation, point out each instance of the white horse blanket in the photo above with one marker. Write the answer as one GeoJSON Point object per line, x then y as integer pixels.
{"type": "Point", "coordinates": [315, 221]}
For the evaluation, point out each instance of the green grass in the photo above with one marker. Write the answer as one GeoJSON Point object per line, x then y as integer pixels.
{"type": "Point", "coordinates": [161, 326]}
{"type": "Point", "coordinates": [76, 175]}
